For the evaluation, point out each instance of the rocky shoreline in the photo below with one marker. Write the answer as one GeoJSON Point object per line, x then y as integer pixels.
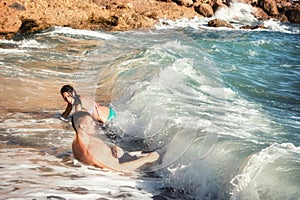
{"type": "Point", "coordinates": [25, 16]}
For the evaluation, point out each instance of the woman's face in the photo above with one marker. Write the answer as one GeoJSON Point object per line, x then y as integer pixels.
{"type": "Point", "coordinates": [68, 97]}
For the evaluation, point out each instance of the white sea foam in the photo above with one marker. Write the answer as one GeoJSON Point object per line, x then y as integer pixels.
{"type": "Point", "coordinates": [179, 23]}
{"type": "Point", "coordinates": [204, 110]}
{"type": "Point", "coordinates": [35, 73]}
{"type": "Point", "coordinates": [38, 172]}
{"type": "Point", "coordinates": [71, 31]}
{"type": "Point", "coordinates": [264, 175]}
{"type": "Point", "coordinates": [32, 44]}
{"type": "Point", "coordinates": [279, 27]}
{"type": "Point", "coordinates": [12, 51]}
{"type": "Point", "coordinates": [238, 14]}
{"type": "Point", "coordinates": [25, 43]}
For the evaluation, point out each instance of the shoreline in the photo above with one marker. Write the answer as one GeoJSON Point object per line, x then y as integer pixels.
{"type": "Point", "coordinates": [27, 16]}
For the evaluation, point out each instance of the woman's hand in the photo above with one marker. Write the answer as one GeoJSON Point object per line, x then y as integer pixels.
{"type": "Point", "coordinates": [62, 118]}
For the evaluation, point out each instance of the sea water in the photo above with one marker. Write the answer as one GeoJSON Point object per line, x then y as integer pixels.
{"type": "Point", "coordinates": [222, 106]}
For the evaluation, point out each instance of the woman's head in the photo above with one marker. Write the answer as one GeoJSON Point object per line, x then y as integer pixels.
{"type": "Point", "coordinates": [68, 93]}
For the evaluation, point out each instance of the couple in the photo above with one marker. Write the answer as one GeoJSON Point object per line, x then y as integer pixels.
{"type": "Point", "coordinates": [93, 151]}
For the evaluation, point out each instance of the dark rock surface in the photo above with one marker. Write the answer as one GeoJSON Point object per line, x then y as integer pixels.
{"type": "Point", "coordinates": [23, 16]}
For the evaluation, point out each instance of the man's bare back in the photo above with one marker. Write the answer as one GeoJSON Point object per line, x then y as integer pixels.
{"type": "Point", "coordinates": [93, 151]}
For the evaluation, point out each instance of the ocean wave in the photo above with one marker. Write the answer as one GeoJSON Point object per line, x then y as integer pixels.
{"type": "Point", "coordinates": [238, 14]}
{"type": "Point", "coordinates": [181, 92]}
{"type": "Point", "coordinates": [37, 178]}
{"type": "Point", "coordinates": [23, 44]}
{"type": "Point", "coordinates": [270, 173]}
{"type": "Point", "coordinates": [77, 32]}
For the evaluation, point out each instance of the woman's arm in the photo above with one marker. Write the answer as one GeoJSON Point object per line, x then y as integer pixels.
{"type": "Point", "coordinates": [101, 113]}
{"type": "Point", "coordinates": [67, 112]}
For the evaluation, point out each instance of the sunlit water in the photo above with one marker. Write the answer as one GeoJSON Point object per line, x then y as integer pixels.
{"type": "Point", "coordinates": [221, 105]}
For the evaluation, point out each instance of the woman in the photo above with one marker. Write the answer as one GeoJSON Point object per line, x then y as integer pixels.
{"type": "Point", "coordinates": [99, 113]}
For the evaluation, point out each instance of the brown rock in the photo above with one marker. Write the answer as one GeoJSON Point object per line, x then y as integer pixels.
{"type": "Point", "coordinates": [115, 15]}
{"type": "Point", "coordinates": [27, 25]}
{"type": "Point", "coordinates": [293, 14]}
{"type": "Point", "coordinates": [269, 6]}
{"type": "Point", "coordinates": [281, 18]}
{"type": "Point", "coordinates": [9, 17]}
{"type": "Point", "coordinates": [218, 4]}
{"type": "Point", "coordinates": [219, 23]}
{"type": "Point", "coordinates": [261, 14]}
{"type": "Point", "coordinates": [120, 15]}
{"type": "Point", "coordinates": [253, 27]}
{"type": "Point", "coordinates": [209, 2]}
{"type": "Point", "coordinates": [186, 3]}
{"type": "Point", "coordinates": [281, 5]}
{"type": "Point", "coordinates": [149, 10]}
{"type": "Point", "coordinates": [251, 2]}
{"type": "Point", "coordinates": [281, 10]}
{"type": "Point", "coordinates": [204, 9]}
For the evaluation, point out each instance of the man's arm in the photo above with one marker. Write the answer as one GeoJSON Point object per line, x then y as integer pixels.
{"type": "Point", "coordinates": [116, 151]}
{"type": "Point", "coordinates": [135, 164]}
{"type": "Point", "coordinates": [104, 156]}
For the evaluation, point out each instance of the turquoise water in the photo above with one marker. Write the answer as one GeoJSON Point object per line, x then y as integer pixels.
{"type": "Point", "coordinates": [222, 104]}
{"type": "Point", "coordinates": [262, 67]}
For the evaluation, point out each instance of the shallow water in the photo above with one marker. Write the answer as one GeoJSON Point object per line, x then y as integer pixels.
{"type": "Point", "coordinates": [223, 106]}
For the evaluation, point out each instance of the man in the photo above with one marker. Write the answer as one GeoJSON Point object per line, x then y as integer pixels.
{"type": "Point", "coordinates": [93, 151]}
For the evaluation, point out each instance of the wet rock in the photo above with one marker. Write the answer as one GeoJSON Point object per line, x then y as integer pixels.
{"type": "Point", "coordinates": [269, 6]}
{"type": "Point", "coordinates": [187, 3]}
{"type": "Point", "coordinates": [204, 9]}
{"type": "Point", "coordinates": [253, 27]}
{"type": "Point", "coordinates": [27, 25]}
{"type": "Point", "coordinates": [293, 14]}
{"type": "Point", "coordinates": [218, 5]}
{"type": "Point", "coordinates": [281, 5]}
{"type": "Point", "coordinates": [280, 10]}
{"type": "Point", "coordinates": [281, 18]}
{"type": "Point", "coordinates": [9, 18]}
{"type": "Point", "coordinates": [219, 23]}
{"type": "Point", "coordinates": [261, 14]}
{"type": "Point", "coordinates": [21, 16]}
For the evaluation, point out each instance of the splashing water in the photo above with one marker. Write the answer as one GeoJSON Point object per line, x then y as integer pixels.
{"type": "Point", "coordinates": [221, 106]}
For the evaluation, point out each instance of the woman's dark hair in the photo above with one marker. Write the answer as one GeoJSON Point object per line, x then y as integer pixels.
{"type": "Point", "coordinates": [69, 89]}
